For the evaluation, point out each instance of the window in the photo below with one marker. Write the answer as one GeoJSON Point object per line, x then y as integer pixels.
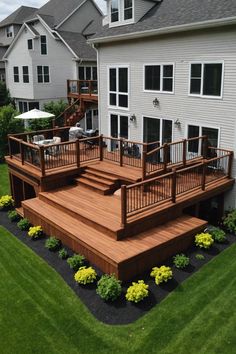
{"type": "Point", "coordinates": [118, 87]}
{"type": "Point", "coordinates": [9, 31]}
{"type": "Point", "coordinates": [25, 106]}
{"type": "Point", "coordinates": [87, 73]}
{"type": "Point", "coordinates": [195, 131]}
{"type": "Point", "coordinates": [121, 10]}
{"type": "Point", "coordinates": [114, 10]}
{"type": "Point", "coordinates": [159, 78]}
{"type": "Point", "coordinates": [30, 44]}
{"type": "Point", "coordinates": [206, 79]}
{"type": "Point", "coordinates": [128, 9]}
{"type": "Point", "coordinates": [16, 74]}
{"type": "Point", "coordinates": [25, 70]}
{"type": "Point", "coordinates": [43, 45]}
{"type": "Point", "coordinates": [43, 74]}
{"type": "Point", "coordinates": [155, 129]}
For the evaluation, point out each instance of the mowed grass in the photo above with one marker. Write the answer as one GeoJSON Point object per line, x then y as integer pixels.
{"type": "Point", "coordinates": [4, 180]}
{"type": "Point", "coordinates": [41, 314]}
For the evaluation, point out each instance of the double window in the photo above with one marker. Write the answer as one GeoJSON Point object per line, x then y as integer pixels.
{"type": "Point", "coordinates": [25, 106]}
{"type": "Point", "coordinates": [121, 10]}
{"type": "Point", "coordinates": [43, 74]}
{"type": "Point", "coordinates": [118, 87]}
{"type": "Point", "coordinates": [87, 73]}
{"type": "Point", "coordinates": [16, 74]}
{"type": "Point", "coordinates": [195, 131]}
{"type": "Point", "coordinates": [25, 70]}
{"type": "Point", "coordinates": [206, 79]}
{"type": "Point", "coordinates": [159, 78]}
{"type": "Point", "coordinates": [43, 42]}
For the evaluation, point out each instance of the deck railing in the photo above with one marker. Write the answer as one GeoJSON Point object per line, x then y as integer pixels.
{"type": "Point", "coordinates": [153, 192]}
{"type": "Point", "coordinates": [82, 87]}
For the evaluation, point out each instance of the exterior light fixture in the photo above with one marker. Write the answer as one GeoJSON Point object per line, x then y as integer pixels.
{"type": "Point", "coordinates": [177, 123]}
{"type": "Point", "coordinates": [133, 118]}
{"type": "Point", "coordinates": [156, 103]}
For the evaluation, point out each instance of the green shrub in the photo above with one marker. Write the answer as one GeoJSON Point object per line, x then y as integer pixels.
{"type": "Point", "coordinates": [52, 243]}
{"type": "Point", "coordinates": [161, 274]}
{"type": "Point", "coordinates": [13, 215]}
{"type": "Point", "coordinates": [76, 261]}
{"type": "Point", "coordinates": [24, 224]}
{"type": "Point", "coordinates": [85, 275]}
{"type": "Point", "coordinates": [35, 232]}
{"type": "Point", "coordinates": [199, 257]}
{"type": "Point", "coordinates": [204, 240]}
{"type": "Point", "coordinates": [218, 235]}
{"type": "Point", "coordinates": [6, 202]}
{"type": "Point", "coordinates": [229, 221]}
{"type": "Point", "coordinates": [181, 261]}
{"type": "Point", "coordinates": [109, 288]}
{"type": "Point", "coordinates": [63, 254]}
{"type": "Point", "coordinates": [137, 291]}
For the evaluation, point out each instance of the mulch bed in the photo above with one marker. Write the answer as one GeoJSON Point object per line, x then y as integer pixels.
{"type": "Point", "coordinates": [119, 311]}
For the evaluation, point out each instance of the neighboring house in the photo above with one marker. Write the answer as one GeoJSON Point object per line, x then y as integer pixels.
{"type": "Point", "coordinates": [9, 28]}
{"type": "Point", "coordinates": [51, 48]}
{"type": "Point", "coordinates": [167, 71]}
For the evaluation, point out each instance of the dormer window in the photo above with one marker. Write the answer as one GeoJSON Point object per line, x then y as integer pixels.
{"type": "Point", "coordinates": [9, 31]}
{"type": "Point", "coordinates": [121, 12]}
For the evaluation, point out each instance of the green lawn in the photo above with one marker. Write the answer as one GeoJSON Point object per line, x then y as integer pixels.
{"type": "Point", "coordinates": [41, 314]}
{"type": "Point", "coordinates": [4, 181]}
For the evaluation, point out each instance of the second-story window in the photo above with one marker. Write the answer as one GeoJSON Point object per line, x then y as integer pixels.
{"type": "Point", "coordinates": [118, 87]}
{"type": "Point", "coordinates": [128, 9]}
{"type": "Point", "coordinates": [16, 73]}
{"type": "Point", "coordinates": [43, 74]}
{"type": "Point", "coordinates": [30, 44]}
{"type": "Point", "coordinates": [114, 10]}
{"type": "Point", "coordinates": [44, 49]}
{"type": "Point", "coordinates": [206, 79]}
{"type": "Point", "coordinates": [87, 73]}
{"type": "Point", "coordinates": [9, 31]}
{"type": "Point", "coordinates": [159, 78]}
{"type": "Point", "coordinates": [25, 70]}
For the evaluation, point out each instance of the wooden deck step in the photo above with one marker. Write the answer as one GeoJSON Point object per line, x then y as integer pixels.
{"type": "Point", "coordinates": [94, 178]}
{"type": "Point", "coordinates": [94, 172]}
{"type": "Point", "coordinates": [126, 258]}
{"type": "Point", "coordinates": [99, 187]}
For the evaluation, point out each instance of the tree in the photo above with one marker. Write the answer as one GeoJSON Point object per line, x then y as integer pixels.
{"type": "Point", "coordinates": [8, 125]}
{"type": "Point", "coordinates": [5, 97]}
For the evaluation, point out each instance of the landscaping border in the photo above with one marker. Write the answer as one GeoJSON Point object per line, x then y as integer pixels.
{"type": "Point", "coordinates": [120, 311]}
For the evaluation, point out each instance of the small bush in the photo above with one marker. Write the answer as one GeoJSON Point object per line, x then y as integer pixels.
{"type": "Point", "coordinates": [204, 240]}
{"type": "Point", "coordinates": [218, 235]}
{"type": "Point", "coordinates": [85, 275]}
{"type": "Point", "coordinates": [161, 274]}
{"type": "Point", "coordinates": [6, 202]}
{"type": "Point", "coordinates": [181, 261]}
{"type": "Point", "coordinates": [200, 257]}
{"type": "Point", "coordinates": [13, 215]}
{"type": "Point", "coordinates": [63, 254]}
{"type": "Point", "coordinates": [137, 291]}
{"type": "Point", "coordinates": [76, 261]}
{"type": "Point", "coordinates": [109, 288]}
{"type": "Point", "coordinates": [24, 224]}
{"type": "Point", "coordinates": [229, 221]}
{"type": "Point", "coordinates": [52, 243]}
{"type": "Point", "coordinates": [35, 232]}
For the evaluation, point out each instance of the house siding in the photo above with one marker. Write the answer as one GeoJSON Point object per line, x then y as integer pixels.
{"type": "Point", "coordinates": [180, 50]}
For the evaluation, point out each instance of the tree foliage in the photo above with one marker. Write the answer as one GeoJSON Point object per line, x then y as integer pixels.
{"type": "Point", "coordinates": [5, 98]}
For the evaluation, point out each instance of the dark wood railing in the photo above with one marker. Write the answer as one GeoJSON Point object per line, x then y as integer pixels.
{"type": "Point", "coordinates": [150, 193]}
{"type": "Point", "coordinates": [82, 87]}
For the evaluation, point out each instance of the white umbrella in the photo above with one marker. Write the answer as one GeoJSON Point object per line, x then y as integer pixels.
{"type": "Point", "coordinates": [34, 114]}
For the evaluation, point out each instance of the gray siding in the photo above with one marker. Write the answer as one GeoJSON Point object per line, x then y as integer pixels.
{"type": "Point", "coordinates": [181, 50]}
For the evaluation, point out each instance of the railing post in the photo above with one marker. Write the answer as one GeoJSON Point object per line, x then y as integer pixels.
{"type": "Point", "coordinates": [165, 155]}
{"type": "Point", "coordinates": [144, 162]}
{"type": "Point", "coordinates": [123, 205]}
{"type": "Point", "coordinates": [205, 147]}
{"type": "Point", "coordinates": [90, 88]}
{"type": "Point", "coordinates": [184, 152]}
{"type": "Point", "coordinates": [173, 186]}
{"type": "Point", "coordinates": [101, 147]}
{"type": "Point", "coordinates": [121, 152]}
{"type": "Point", "coordinates": [231, 156]}
{"type": "Point", "coordinates": [9, 146]}
{"type": "Point", "coordinates": [77, 146]}
{"type": "Point", "coordinates": [22, 153]}
{"type": "Point", "coordinates": [42, 160]}
{"type": "Point", "coordinates": [204, 166]}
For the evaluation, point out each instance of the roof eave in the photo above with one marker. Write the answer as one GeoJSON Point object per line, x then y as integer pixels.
{"type": "Point", "coordinates": [166, 30]}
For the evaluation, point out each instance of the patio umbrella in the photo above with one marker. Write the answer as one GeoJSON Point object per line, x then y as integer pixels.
{"type": "Point", "coordinates": [34, 114]}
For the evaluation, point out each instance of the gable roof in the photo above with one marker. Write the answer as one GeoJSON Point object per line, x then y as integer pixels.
{"type": "Point", "coordinates": [18, 16]}
{"type": "Point", "coordinates": [77, 42]}
{"type": "Point", "coordinates": [172, 13]}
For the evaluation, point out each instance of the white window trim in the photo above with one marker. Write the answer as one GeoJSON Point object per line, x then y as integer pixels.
{"type": "Point", "coordinates": [12, 28]}
{"type": "Point", "coordinates": [161, 64]}
{"type": "Point", "coordinates": [27, 102]}
{"type": "Point", "coordinates": [85, 122]}
{"type": "Point", "coordinates": [161, 125]}
{"type": "Point", "coordinates": [43, 55]}
{"type": "Point", "coordinates": [49, 73]}
{"type": "Point", "coordinates": [87, 66]}
{"type": "Point", "coordinates": [117, 92]}
{"type": "Point", "coordinates": [17, 82]}
{"type": "Point", "coordinates": [121, 20]}
{"type": "Point", "coordinates": [202, 62]}
{"type": "Point", "coordinates": [27, 66]}
{"type": "Point", "coordinates": [32, 43]}
{"type": "Point", "coordinates": [200, 130]}
{"type": "Point", "coordinates": [118, 114]}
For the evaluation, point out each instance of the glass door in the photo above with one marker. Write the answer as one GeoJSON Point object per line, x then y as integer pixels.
{"type": "Point", "coordinates": [157, 130]}
{"type": "Point", "coordinates": [119, 128]}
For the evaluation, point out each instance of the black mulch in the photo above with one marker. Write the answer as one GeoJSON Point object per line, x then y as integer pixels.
{"type": "Point", "coordinates": [120, 311]}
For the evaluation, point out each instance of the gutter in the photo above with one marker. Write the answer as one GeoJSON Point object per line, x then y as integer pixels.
{"type": "Point", "coordinates": [166, 30]}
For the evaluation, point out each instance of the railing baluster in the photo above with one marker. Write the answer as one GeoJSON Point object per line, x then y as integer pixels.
{"type": "Point", "coordinates": [173, 186]}
{"type": "Point", "coordinates": [121, 151]}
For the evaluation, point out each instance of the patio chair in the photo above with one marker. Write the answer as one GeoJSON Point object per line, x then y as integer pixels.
{"type": "Point", "coordinates": [37, 138]}
{"type": "Point", "coordinates": [55, 150]}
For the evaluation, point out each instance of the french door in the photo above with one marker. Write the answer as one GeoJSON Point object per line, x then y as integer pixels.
{"type": "Point", "coordinates": [155, 129]}
{"type": "Point", "coordinates": [119, 128]}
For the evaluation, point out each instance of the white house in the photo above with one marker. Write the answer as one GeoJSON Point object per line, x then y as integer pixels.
{"type": "Point", "coordinates": [167, 71]}
{"type": "Point", "coordinates": [51, 48]}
